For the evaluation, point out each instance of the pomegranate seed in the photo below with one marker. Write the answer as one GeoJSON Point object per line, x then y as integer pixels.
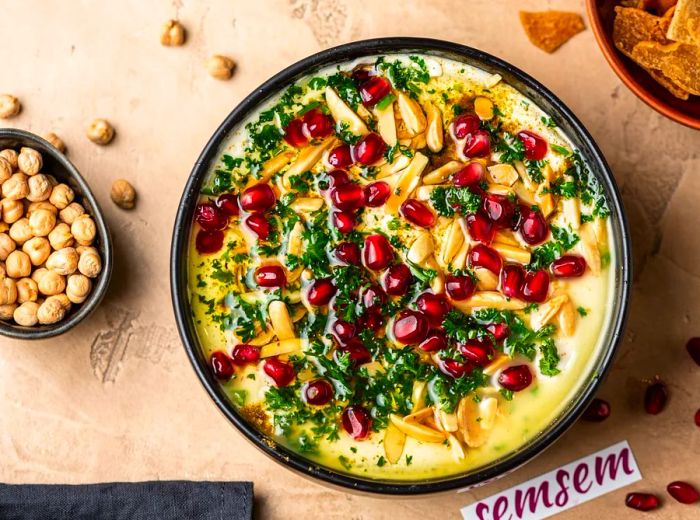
{"type": "Point", "coordinates": [478, 351]}
{"type": "Point", "coordinates": [411, 327]}
{"type": "Point", "coordinates": [515, 378]}
{"type": "Point", "coordinates": [348, 197]}
{"type": "Point", "coordinates": [533, 227]}
{"type": "Point", "coordinates": [228, 204]}
{"type": "Point", "coordinates": [345, 222]}
{"type": "Point", "coordinates": [465, 124]}
{"type": "Point", "coordinates": [477, 144]}
{"type": "Point", "coordinates": [697, 418]}
{"type": "Point", "coordinates": [210, 217]}
{"type": "Point", "coordinates": [480, 227]}
{"type": "Point", "coordinates": [454, 368]}
{"type": "Point", "coordinates": [512, 277]}
{"type": "Point", "coordinates": [535, 286]}
{"type": "Point", "coordinates": [369, 149]}
{"type": "Point", "coordinates": [683, 492]}
{"type": "Point", "coordinates": [317, 124]}
{"type": "Point", "coordinates": [208, 242]}
{"type": "Point", "coordinates": [270, 276]}
{"type": "Point", "coordinates": [373, 90]}
{"type": "Point", "coordinates": [569, 266]}
{"type": "Point", "coordinates": [377, 193]}
{"type": "Point", "coordinates": [318, 392]}
{"type": "Point", "coordinates": [655, 398]}
{"type": "Point", "coordinates": [258, 197]}
{"type": "Point", "coordinates": [470, 175]}
{"type": "Point", "coordinates": [435, 341]}
{"type": "Point", "coordinates": [377, 252]}
{"type": "Point", "coordinates": [597, 411]}
{"type": "Point", "coordinates": [221, 366]}
{"type": "Point", "coordinates": [417, 213]}
{"type": "Point", "coordinates": [641, 501]}
{"type": "Point", "coordinates": [340, 156]}
{"type": "Point", "coordinates": [294, 134]}
{"type": "Point", "coordinates": [243, 354]}
{"type": "Point", "coordinates": [397, 280]}
{"type": "Point", "coordinates": [348, 252]}
{"type": "Point", "coordinates": [357, 352]}
{"type": "Point", "coordinates": [321, 291]}
{"type": "Point", "coordinates": [499, 209]}
{"type": "Point", "coordinates": [259, 225]}
{"type": "Point", "coordinates": [535, 146]}
{"type": "Point", "coordinates": [338, 178]}
{"type": "Point", "coordinates": [357, 421]}
{"type": "Point", "coordinates": [281, 373]}
{"type": "Point", "coordinates": [459, 287]}
{"type": "Point", "coordinates": [693, 348]}
{"type": "Point", "coordinates": [372, 320]}
{"type": "Point", "coordinates": [343, 331]}
{"type": "Point", "coordinates": [373, 297]}
{"type": "Point", "coordinates": [434, 306]}
{"type": "Point", "coordinates": [484, 256]}
{"type": "Point", "coordinates": [499, 331]}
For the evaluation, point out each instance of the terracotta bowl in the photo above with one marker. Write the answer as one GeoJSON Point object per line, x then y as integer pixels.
{"type": "Point", "coordinates": [601, 14]}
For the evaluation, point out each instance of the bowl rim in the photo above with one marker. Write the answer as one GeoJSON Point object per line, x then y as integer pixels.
{"type": "Point", "coordinates": [614, 59]}
{"type": "Point", "coordinates": [180, 248]}
{"type": "Point", "coordinates": [100, 287]}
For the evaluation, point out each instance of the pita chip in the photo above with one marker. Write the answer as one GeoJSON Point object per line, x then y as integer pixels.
{"type": "Point", "coordinates": [549, 30]}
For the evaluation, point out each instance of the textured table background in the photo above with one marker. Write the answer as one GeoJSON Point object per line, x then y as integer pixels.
{"type": "Point", "coordinates": [116, 399]}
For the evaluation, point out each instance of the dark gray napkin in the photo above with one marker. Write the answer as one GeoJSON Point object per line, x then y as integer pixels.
{"type": "Point", "coordinates": [161, 500]}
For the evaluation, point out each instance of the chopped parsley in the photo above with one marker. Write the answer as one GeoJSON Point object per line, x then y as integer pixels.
{"type": "Point", "coordinates": [448, 200]}
{"type": "Point", "coordinates": [406, 76]}
{"type": "Point", "coordinates": [550, 358]}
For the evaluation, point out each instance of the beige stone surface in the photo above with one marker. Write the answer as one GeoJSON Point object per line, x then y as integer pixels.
{"type": "Point", "coordinates": [116, 399]}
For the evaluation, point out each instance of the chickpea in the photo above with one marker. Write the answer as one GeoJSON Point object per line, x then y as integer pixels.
{"type": "Point", "coordinates": [78, 287]}
{"type": "Point", "coordinates": [5, 170]}
{"type": "Point", "coordinates": [89, 263]}
{"type": "Point", "coordinates": [61, 196]}
{"type": "Point", "coordinates": [39, 188]}
{"type": "Point", "coordinates": [15, 187]}
{"type": "Point", "coordinates": [20, 231]}
{"type": "Point", "coordinates": [56, 142]}
{"type": "Point", "coordinates": [18, 264]}
{"type": "Point", "coordinates": [41, 222]}
{"type": "Point", "coordinates": [26, 314]}
{"type": "Point", "coordinates": [84, 230]}
{"type": "Point", "coordinates": [8, 291]}
{"type": "Point", "coordinates": [27, 290]}
{"type": "Point", "coordinates": [52, 180]}
{"type": "Point", "coordinates": [29, 161]}
{"type": "Point", "coordinates": [100, 132]}
{"type": "Point", "coordinates": [38, 274]}
{"type": "Point", "coordinates": [9, 106]}
{"type": "Point", "coordinates": [3, 273]}
{"type": "Point", "coordinates": [10, 156]}
{"type": "Point", "coordinates": [65, 302]}
{"type": "Point", "coordinates": [51, 311]}
{"type": "Point", "coordinates": [42, 204]}
{"type": "Point", "coordinates": [60, 236]}
{"type": "Point", "coordinates": [51, 283]}
{"type": "Point", "coordinates": [38, 249]}
{"type": "Point", "coordinates": [220, 67]}
{"type": "Point", "coordinates": [123, 194]}
{"type": "Point", "coordinates": [7, 311]}
{"type": "Point", "coordinates": [12, 210]}
{"type": "Point", "coordinates": [70, 213]}
{"type": "Point", "coordinates": [64, 261]}
{"type": "Point", "coordinates": [172, 34]}
{"type": "Point", "coordinates": [7, 245]}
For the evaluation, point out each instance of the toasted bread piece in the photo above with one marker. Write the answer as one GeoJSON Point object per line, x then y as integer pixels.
{"type": "Point", "coordinates": [549, 30]}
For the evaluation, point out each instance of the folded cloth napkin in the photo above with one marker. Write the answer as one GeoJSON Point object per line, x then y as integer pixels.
{"type": "Point", "coordinates": [158, 500]}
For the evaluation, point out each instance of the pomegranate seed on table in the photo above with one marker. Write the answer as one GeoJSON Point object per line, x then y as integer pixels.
{"type": "Point", "coordinates": [434, 306]}
{"type": "Point", "coordinates": [377, 253]}
{"type": "Point", "coordinates": [270, 276]}
{"type": "Point", "coordinates": [338, 178]}
{"type": "Point", "coordinates": [465, 124]}
{"type": "Point", "coordinates": [486, 257]}
{"type": "Point", "coordinates": [343, 331]}
{"type": "Point", "coordinates": [478, 351]}
{"type": "Point", "coordinates": [535, 286]}
{"type": "Point", "coordinates": [294, 134]}
{"type": "Point", "coordinates": [258, 197]}
{"type": "Point", "coordinates": [317, 124]}
{"type": "Point", "coordinates": [410, 327]}
{"type": "Point", "coordinates": [500, 331]}
{"type": "Point", "coordinates": [208, 242]}
{"type": "Point", "coordinates": [369, 149]}
{"type": "Point", "coordinates": [348, 252]}
{"type": "Point", "coordinates": [642, 501]}
{"type": "Point", "coordinates": [597, 411]}
{"type": "Point", "coordinates": [480, 227]}
{"type": "Point", "coordinates": [221, 365]}
{"type": "Point", "coordinates": [459, 287]}
{"type": "Point", "coordinates": [683, 492]}
{"type": "Point", "coordinates": [243, 354]}
{"type": "Point", "coordinates": [532, 226]}
{"type": "Point", "coordinates": [344, 221]}
{"type": "Point", "coordinates": [373, 297]}
{"type": "Point", "coordinates": [357, 352]}
{"type": "Point", "coordinates": [259, 225]}
{"type": "Point", "coordinates": [318, 392]}
{"type": "Point", "coordinates": [470, 175]}
{"type": "Point", "coordinates": [228, 204]}
{"type": "Point", "coordinates": [693, 348]}
{"type": "Point", "coordinates": [515, 378]}
{"type": "Point", "coordinates": [499, 209]}
{"type": "Point", "coordinates": [512, 277]}
{"type": "Point", "coordinates": [377, 193]}
{"type": "Point", "coordinates": [535, 146]}
{"type": "Point", "coordinates": [417, 213]}
{"type": "Point", "coordinates": [321, 291]}
{"type": "Point", "coordinates": [568, 266]}
{"type": "Point", "coordinates": [374, 90]}
{"type": "Point", "coordinates": [697, 418]}
{"type": "Point", "coordinates": [477, 144]}
{"type": "Point", "coordinates": [357, 421]}
{"type": "Point", "coordinates": [397, 280]}
{"type": "Point", "coordinates": [348, 197]}
{"type": "Point", "coordinates": [340, 156]}
{"type": "Point", "coordinates": [435, 341]}
{"type": "Point", "coordinates": [655, 398]}
{"type": "Point", "coordinates": [453, 368]}
{"type": "Point", "coordinates": [281, 373]}
{"type": "Point", "coordinates": [210, 217]}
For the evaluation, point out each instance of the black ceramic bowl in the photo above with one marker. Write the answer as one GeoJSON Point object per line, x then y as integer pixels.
{"type": "Point", "coordinates": [566, 120]}
{"type": "Point", "coordinates": [56, 164]}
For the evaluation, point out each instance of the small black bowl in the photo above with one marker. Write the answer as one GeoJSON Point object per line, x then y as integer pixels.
{"type": "Point", "coordinates": [56, 164]}
{"type": "Point", "coordinates": [565, 119]}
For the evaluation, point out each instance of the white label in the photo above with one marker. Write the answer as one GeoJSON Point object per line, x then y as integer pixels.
{"type": "Point", "coordinates": [562, 488]}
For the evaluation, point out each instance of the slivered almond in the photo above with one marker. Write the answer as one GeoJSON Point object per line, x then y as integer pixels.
{"type": "Point", "coordinates": [572, 212]}
{"type": "Point", "coordinates": [438, 283]}
{"type": "Point", "coordinates": [434, 134]}
{"type": "Point", "coordinates": [600, 230]}
{"type": "Point", "coordinates": [455, 447]}
{"type": "Point", "coordinates": [422, 247]}
{"type": "Point", "coordinates": [386, 124]}
{"type": "Point", "coordinates": [423, 193]}
{"type": "Point", "coordinates": [442, 174]}
{"type": "Point", "coordinates": [418, 142]}
{"type": "Point", "coordinates": [417, 430]}
{"type": "Point", "coordinates": [451, 242]}
{"type": "Point", "coordinates": [281, 321]}
{"type": "Point", "coordinates": [446, 421]}
{"type": "Point", "coordinates": [503, 236]}
{"type": "Point", "coordinates": [401, 162]}
{"type": "Point", "coordinates": [279, 348]}
{"type": "Point", "coordinates": [567, 318]}
{"type": "Point", "coordinates": [547, 311]}
{"type": "Point", "coordinates": [306, 159]}
{"type": "Point", "coordinates": [525, 176]}
{"type": "Point", "coordinates": [476, 420]}
{"type": "Point", "coordinates": [503, 174]}
{"type": "Point", "coordinates": [294, 247]}
{"type": "Point", "coordinates": [513, 253]}
{"type": "Point", "coordinates": [499, 361]}
{"type": "Point", "coordinates": [299, 312]}
{"type": "Point", "coordinates": [487, 281]}
{"type": "Point", "coordinates": [588, 247]}
{"type": "Point", "coordinates": [419, 415]}
{"type": "Point", "coordinates": [544, 199]}
{"type": "Point", "coordinates": [272, 166]}
{"type": "Point", "coordinates": [411, 113]}
{"type": "Point", "coordinates": [408, 181]}
{"type": "Point", "coordinates": [489, 299]}
{"type": "Point", "coordinates": [263, 338]}
{"type": "Point", "coordinates": [524, 193]}
{"type": "Point", "coordinates": [418, 395]}
{"type": "Point", "coordinates": [394, 442]}
{"type": "Point", "coordinates": [342, 113]}
{"type": "Point", "coordinates": [460, 259]}
{"type": "Point", "coordinates": [501, 189]}
{"type": "Point", "coordinates": [306, 204]}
